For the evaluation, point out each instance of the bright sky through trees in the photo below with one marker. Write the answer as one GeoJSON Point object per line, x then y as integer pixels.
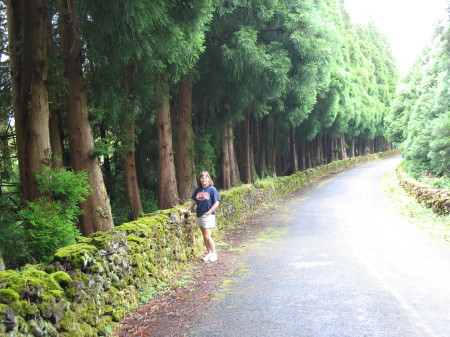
{"type": "Point", "coordinates": [407, 24]}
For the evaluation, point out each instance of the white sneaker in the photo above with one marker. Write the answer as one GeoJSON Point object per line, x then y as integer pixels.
{"type": "Point", "coordinates": [213, 257]}
{"type": "Point", "coordinates": [206, 257]}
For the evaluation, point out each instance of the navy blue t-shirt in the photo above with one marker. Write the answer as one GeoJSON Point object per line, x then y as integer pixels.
{"type": "Point", "coordinates": [205, 198]}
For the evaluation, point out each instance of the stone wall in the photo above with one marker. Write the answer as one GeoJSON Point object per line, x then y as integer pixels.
{"type": "Point", "coordinates": [90, 285]}
{"type": "Point", "coordinates": [437, 200]}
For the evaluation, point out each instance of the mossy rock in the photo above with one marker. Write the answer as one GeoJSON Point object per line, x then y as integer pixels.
{"type": "Point", "coordinates": [8, 296]}
{"type": "Point", "coordinates": [25, 309]}
{"type": "Point", "coordinates": [62, 278]}
{"type": "Point", "coordinates": [31, 283]}
{"type": "Point", "coordinates": [105, 325]}
{"type": "Point", "coordinates": [79, 255]}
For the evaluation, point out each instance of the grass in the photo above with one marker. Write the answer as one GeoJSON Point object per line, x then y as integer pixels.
{"type": "Point", "coordinates": [421, 216]}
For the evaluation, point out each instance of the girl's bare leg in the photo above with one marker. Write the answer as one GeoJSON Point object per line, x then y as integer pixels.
{"type": "Point", "coordinates": [208, 240]}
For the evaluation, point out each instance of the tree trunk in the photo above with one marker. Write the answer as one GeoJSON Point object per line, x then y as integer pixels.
{"type": "Point", "coordinates": [131, 179]}
{"type": "Point", "coordinates": [252, 151]}
{"type": "Point", "coordinates": [343, 147]}
{"type": "Point", "coordinates": [352, 154]}
{"type": "Point", "coordinates": [319, 151]}
{"type": "Point", "coordinates": [302, 154]}
{"type": "Point", "coordinates": [2, 262]}
{"type": "Point", "coordinates": [226, 181]}
{"type": "Point", "coordinates": [168, 193]}
{"type": "Point", "coordinates": [108, 176]}
{"type": "Point", "coordinates": [328, 145]}
{"type": "Point", "coordinates": [55, 140]}
{"type": "Point", "coordinates": [96, 209]}
{"type": "Point", "coordinates": [308, 163]}
{"type": "Point", "coordinates": [273, 157]}
{"type": "Point", "coordinates": [262, 146]}
{"type": "Point", "coordinates": [27, 29]}
{"type": "Point", "coordinates": [333, 153]}
{"type": "Point", "coordinates": [235, 176]}
{"type": "Point", "coordinates": [294, 154]}
{"type": "Point", "coordinates": [185, 161]}
{"type": "Point", "coordinates": [244, 150]}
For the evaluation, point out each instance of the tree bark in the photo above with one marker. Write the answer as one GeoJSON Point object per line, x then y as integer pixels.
{"type": "Point", "coordinates": [131, 179]}
{"type": "Point", "coordinates": [253, 135]}
{"type": "Point", "coordinates": [273, 154]}
{"type": "Point", "coordinates": [261, 164]}
{"type": "Point", "coordinates": [319, 152]}
{"type": "Point", "coordinates": [343, 146]}
{"type": "Point", "coordinates": [352, 153]}
{"type": "Point", "coordinates": [168, 193]}
{"type": "Point", "coordinates": [244, 128]}
{"type": "Point", "coordinates": [27, 30]}
{"type": "Point", "coordinates": [303, 154]}
{"type": "Point", "coordinates": [184, 159]}
{"type": "Point", "coordinates": [2, 262]}
{"type": "Point", "coordinates": [226, 181]}
{"type": "Point", "coordinates": [308, 163]}
{"type": "Point", "coordinates": [234, 169]}
{"type": "Point", "coordinates": [96, 209]}
{"type": "Point", "coordinates": [294, 154]}
{"type": "Point", "coordinates": [55, 140]}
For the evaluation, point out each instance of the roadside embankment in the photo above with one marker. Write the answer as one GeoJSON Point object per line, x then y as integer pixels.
{"type": "Point", "coordinates": [437, 200]}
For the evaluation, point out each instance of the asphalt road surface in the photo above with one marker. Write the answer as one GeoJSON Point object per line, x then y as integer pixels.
{"type": "Point", "coordinates": [339, 262]}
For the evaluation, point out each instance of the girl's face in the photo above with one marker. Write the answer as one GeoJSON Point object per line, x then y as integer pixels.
{"type": "Point", "coordinates": [204, 180]}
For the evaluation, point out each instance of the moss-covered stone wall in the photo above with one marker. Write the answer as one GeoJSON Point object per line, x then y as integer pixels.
{"type": "Point", "coordinates": [90, 285]}
{"type": "Point", "coordinates": [437, 200]}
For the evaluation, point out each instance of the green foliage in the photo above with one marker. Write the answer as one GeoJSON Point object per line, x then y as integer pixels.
{"type": "Point", "coordinates": [205, 154]}
{"type": "Point", "coordinates": [12, 233]}
{"type": "Point", "coordinates": [121, 210]}
{"type": "Point", "coordinates": [420, 119]}
{"type": "Point", "coordinates": [49, 222]}
{"type": "Point", "coordinates": [439, 154]}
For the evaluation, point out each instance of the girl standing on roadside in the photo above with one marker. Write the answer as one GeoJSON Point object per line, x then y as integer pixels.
{"type": "Point", "coordinates": [207, 199]}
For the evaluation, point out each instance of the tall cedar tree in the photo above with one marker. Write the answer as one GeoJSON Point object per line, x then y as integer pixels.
{"type": "Point", "coordinates": [184, 157]}
{"type": "Point", "coordinates": [96, 209]}
{"type": "Point", "coordinates": [27, 30]}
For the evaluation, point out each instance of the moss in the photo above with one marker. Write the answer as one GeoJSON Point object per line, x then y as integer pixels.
{"type": "Point", "coordinates": [105, 325]}
{"type": "Point", "coordinates": [5, 276]}
{"type": "Point", "coordinates": [79, 329]}
{"type": "Point", "coordinates": [85, 240]}
{"type": "Point", "coordinates": [62, 278]}
{"type": "Point", "coordinates": [133, 237]}
{"type": "Point", "coordinates": [33, 267]}
{"type": "Point", "coordinates": [32, 283]}
{"type": "Point", "coordinates": [132, 227]}
{"type": "Point", "coordinates": [25, 309]}
{"type": "Point", "coordinates": [8, 296]}
{"type": "Point", "coordinates": [67, 320]}
{"type": "Point", "coordinates": [118, 312]}
{"type": "Point", "coordinates": [57, 294]}
{"type": "Point", "coordinates": [80, 254]}
{"type": "Point", "coordinates": [3, 312]}
{"type": "Point", "coordinates": [97, 268]}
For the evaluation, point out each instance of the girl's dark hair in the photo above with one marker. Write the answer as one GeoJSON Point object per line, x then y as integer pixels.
{"type": "Point", "coordinates": [205, 173]}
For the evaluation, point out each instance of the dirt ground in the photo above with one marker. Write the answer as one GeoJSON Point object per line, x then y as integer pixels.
{"type": "Point", "coordinates": [173, 313]}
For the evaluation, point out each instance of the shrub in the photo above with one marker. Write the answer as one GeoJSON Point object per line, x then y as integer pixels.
{"type": "Point", "coordinates": [49, 222]}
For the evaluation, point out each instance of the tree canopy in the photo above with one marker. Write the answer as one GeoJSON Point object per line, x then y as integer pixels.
{"type": "Point", "coordinates": [419, 123]}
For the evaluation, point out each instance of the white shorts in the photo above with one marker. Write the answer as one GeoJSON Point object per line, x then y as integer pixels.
{"type": "Point", "coordinates": [206, 221]}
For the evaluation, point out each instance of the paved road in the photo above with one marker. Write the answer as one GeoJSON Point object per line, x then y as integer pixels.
{"type": "Point", "coordinates": [340, 262]}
